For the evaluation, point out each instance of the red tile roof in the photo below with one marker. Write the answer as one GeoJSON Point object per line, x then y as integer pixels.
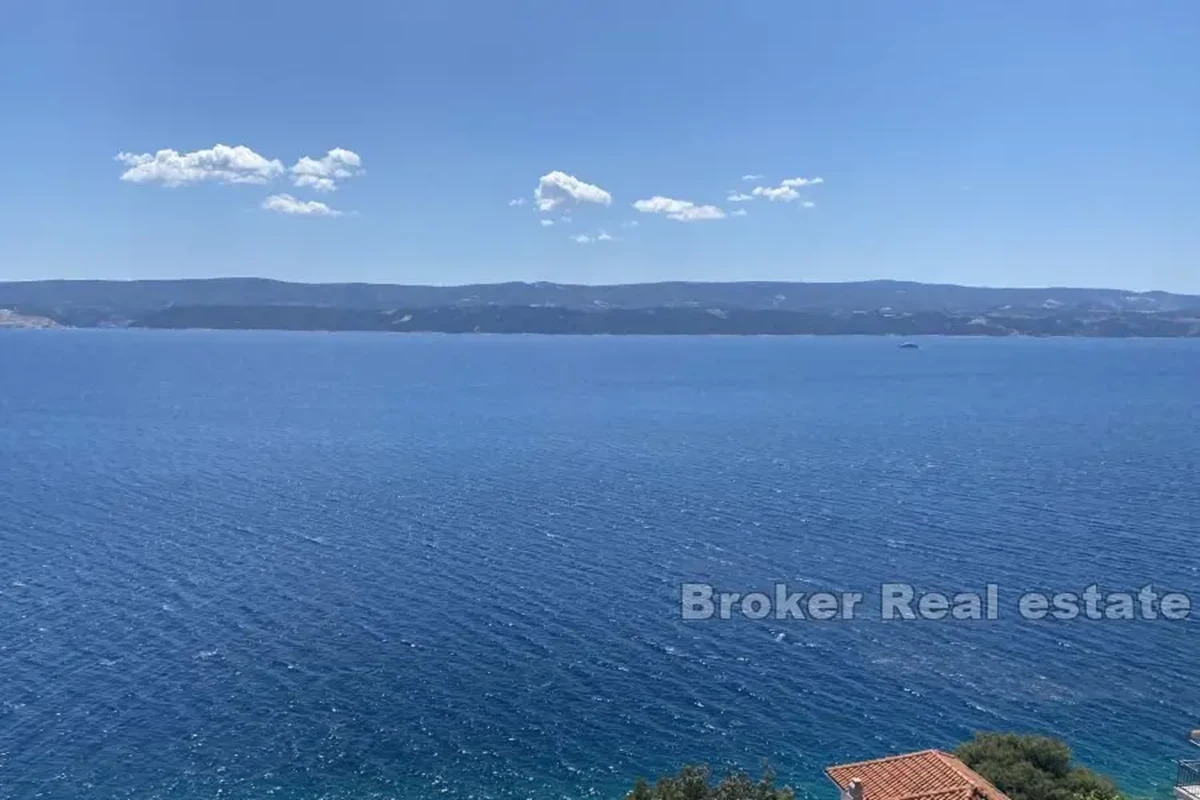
{"type": "Point", "coordinates": [927, 775]}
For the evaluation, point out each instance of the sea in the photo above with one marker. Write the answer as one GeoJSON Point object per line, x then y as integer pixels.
{"type": "Point", "coordinates": [305, 565]}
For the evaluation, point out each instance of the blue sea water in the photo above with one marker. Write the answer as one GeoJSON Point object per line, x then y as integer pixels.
{"type": "Point", "coordinates": [251, 565]}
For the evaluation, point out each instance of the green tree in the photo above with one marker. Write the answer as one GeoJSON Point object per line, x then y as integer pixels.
{"type": "Point", "coordinates": [694, 782]}
{"type": "Point", "coordinates": [1034, 768]}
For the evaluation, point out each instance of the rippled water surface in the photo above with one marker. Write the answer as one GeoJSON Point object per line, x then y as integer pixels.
{"type": "Point", "coordinates": [256, 565]}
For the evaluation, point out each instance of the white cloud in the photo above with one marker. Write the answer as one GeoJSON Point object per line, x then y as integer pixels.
{"type": "Point", "coordinates": [797, 182]}
{"type": "Point", "coordinates": [629, 223]}
{"type": "Point", "coordinates": [546, 223]}
{"type": "Point", "coordinates": [786, 190]}
{"type": "Point", "coordinates": [517, 201]}
{"type": "Point", "coordinates": [221, 163]}
{"type": "Point", "coordinates": [785, 194]}
{"type": "Point", "coordinates": [286, 204]}
{"type": "Point", "coordinates": [738, 212]}
{"type": "Point", "coordinates": [808, 204]}
{"type": "Point", "coordinates": [556, 187]}
{"type": "Point", "coordinates": [322, 174]}
{"type": "Point", "coordinates": [681, 210]}
{"type": "Point", "coordinates": [738, 197]}
{"type": "Point", "coordinates": [583, 238]}
{"type": "Point", "coordinates": [752, 177]}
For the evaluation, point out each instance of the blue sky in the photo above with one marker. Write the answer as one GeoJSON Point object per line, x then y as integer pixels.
{"type": "Point", "coordinates": [1006, 143]}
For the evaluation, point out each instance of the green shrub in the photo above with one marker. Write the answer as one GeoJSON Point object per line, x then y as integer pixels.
{"type": "Point", "coordinates": [694, 782]}
{"type": "Point", "coordinates": [1033, 768]}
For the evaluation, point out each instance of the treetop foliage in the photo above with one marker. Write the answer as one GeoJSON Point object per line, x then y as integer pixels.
{"type": "Point", "coordinates": [1033, 768]}
{"type": "Point", "coordinates": [694, 782]}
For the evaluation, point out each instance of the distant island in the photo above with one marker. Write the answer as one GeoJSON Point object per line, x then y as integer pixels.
{"type": "Point", "coordinates": [746, 308]}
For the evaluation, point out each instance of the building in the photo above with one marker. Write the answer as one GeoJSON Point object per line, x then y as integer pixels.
{"type": "Point", "coordinates": [926, 775]}
{"type": "Point", "coordinates": [1187, 781]}
{"type": "Point", "coordinates": [1187, 778]}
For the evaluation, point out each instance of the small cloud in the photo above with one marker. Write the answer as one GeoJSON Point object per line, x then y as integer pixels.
{"type": "Point", "coordinates": [322, 174]}
{"type": "Point", "coordinates": [784, 194]}
{"type": "Point", "coordinates": [555, 188]}
{"type": "Point", "coordinates": [738, 212]}
{"type": "Point", "coordinates": [738, 197]}
{"type": "Point", "coordinates": [752, 177]}
{"type": "Point", "coordinates": [565, 220]}
{"type": "Point", "coordinates": [517, 201]}
{"type": "Point", "coordinates": [221, 163]}
{"type": "Point", "coordinates": [798, 182]}
{"type": "Point", "coordinates": [808, 204]}
{"type": "Point", "coordinates": [629, 223]}
{"type": "Point", "coordinates": [681, 210]}
{"type": "Point", "coordinates": [286, 204]}
{"type": "Point", "coordinates": [583, 238]}
{"type": "Point", "coordinates": [546, 223]}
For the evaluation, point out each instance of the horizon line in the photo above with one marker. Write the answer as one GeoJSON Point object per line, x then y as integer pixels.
{"type": "Point", "coordinates": [797, 282]}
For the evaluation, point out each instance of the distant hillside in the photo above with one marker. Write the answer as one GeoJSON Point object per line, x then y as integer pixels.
{"type": "Point", "coordinates": [677, 321]}
{"type": "Point", "coordinates": [99, 302]}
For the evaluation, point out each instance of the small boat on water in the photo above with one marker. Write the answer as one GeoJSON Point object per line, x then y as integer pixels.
{"type": "Point", "coordinates": [910, 346]}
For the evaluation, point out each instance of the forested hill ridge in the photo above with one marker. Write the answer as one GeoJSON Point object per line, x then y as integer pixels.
{"type": "Point", "coordinates": [135, 297]}
{"type": "Point", "coordinates": [873, 307]}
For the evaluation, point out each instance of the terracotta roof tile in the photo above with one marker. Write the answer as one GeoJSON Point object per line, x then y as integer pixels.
{"type": "Point", "coordinates": [927, 775]}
